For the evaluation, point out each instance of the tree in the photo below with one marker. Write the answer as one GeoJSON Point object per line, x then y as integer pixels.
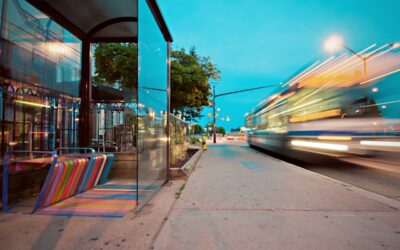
{"type": "Point", "coordinates": [116, 63]}
{"type": "Point", "coordinates": [234, 130]}
{"type": "Point", "coordinates": [221, 130]}
{"type": "Point", "coordinates": [190, 88]}
{"type": "Point", "coordinates": [197, 129]}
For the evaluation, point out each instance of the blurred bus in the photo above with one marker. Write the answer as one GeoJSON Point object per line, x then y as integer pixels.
{"type": "Point", "coordinates": [336, 107]}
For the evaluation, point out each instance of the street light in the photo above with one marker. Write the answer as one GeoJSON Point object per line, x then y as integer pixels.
{"type": "Point", "coordinates": [335, 42]}
{"type": "Point", "coordinates": [230, 93]}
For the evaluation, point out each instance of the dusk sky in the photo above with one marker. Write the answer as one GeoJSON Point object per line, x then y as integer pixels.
{"type": "Point", "coordinates": [259, 42]}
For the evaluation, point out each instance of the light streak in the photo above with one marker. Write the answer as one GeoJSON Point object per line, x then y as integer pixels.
{"type": "Point", "coordinates": [269, 108]}
{"type": "Point", "coordinates": [295, 108]}
{"type": "Point", "coordinates": [317, 115]}
{"type": "Point", "coordinates": [303, 72]}
{"type": "Point", "coordinates": [41, 132]}
{"type": "Point", "coordinates": [382, 103]}
{"type": "Point", "coordinates": [349, 63]}
{"type": "Point", "coordinates": [334, 138]}
{"type": "Point", "coordinates": [339, 70]}
{"type": "Point", "coordinates": [320, 73]}
{"type": "Point", "coordinates": [384, 52]}
{"type": "Point", "coordinates": [370, 54]}
{"type": "Point", "coordinates": [381, 143]}
{"type": "Point", "coordinates": [311, 94]}
{"type": "Point", "coordinates": [279, 101]}
{"type": "Point", "coordinates": [319, 66]}
{"type": "Point", "coordinates": [319, 145]}
{"type": "Point", "coordinates": [380, 76]}
{"type": "Point", "coordinates": [341, 65]}
{"type": "Point", "coordinates": [33, 104]}
{"type": "Point", "coordinates": [344, 64]}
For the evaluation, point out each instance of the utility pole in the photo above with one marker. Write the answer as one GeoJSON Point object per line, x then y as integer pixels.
{"type": "Point", "coordinates": [230, 93]}
{"type": "Point", "coordinates": [363, 58]}
{"type": "Point", "coordinates": [215, 118]}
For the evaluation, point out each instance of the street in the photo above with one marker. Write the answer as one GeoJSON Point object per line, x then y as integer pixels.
{"type": "Point", "coordinates": [380, 174]}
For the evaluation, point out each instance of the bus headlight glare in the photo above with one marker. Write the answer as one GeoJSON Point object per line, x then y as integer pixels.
{"type": "Point", "coordinates": [319, 145]}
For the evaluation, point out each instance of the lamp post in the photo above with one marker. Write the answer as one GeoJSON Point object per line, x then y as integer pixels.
{"type": "Point", "coordinates": [230, 93]}
{"type": "Point", "coordinates": [215, 118]}
{"type": "Point", "coordinates": [335, 42]}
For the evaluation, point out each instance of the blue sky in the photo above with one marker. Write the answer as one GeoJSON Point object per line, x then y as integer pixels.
{"type": "Point", "coordinates": [258, 42]}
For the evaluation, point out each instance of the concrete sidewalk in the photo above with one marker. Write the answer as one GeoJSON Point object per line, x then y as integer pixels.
{"type": "Point", "coordinates": [241, 199]}
{"type": "Point", "coordinates": [134, 231]}
{"type": "Point", "coordinates": [237, 198]}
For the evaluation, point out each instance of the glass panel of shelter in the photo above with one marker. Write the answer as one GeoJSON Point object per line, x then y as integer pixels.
{"type": "Point", "coordinates": [40, 65]}
{"type": "Point", "coordinates": [114, 122]}
{"type": "Point", "coordinates": [152, 106]}
{"type": "Point", "coordinates": [40, 78]}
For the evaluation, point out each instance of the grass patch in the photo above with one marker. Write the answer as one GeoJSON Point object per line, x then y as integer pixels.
{"type": "Point", "coordinates": [179, 192]}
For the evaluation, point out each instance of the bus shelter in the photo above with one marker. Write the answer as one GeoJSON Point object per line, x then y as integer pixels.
{"type": "Point", "coordinates": [55, 118]}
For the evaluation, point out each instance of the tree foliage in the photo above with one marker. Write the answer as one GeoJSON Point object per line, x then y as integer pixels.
{"type": "Point", "coordinates": [197, 129]}
{"type": "Point", "coordinates": [190, 87]}
{"type": "Point", "coordinates": [117, 64]}
{"type": "Point", "coordinates": [221, 130]}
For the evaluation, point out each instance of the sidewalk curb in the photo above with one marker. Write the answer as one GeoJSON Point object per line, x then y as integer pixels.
{"type": "Point", "coordinates": [188, 167]}
{"type": "Point", "coordinates": [393, 203]}
{"type": "Point", "coordinates": [164, 221]}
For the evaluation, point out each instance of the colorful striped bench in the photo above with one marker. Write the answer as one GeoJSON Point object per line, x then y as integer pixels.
{"type": "Point", "coordinates": [69, 174]}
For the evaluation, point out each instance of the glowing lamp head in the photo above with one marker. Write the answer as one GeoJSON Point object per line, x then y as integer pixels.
{"type": "Point", "coordinates": [396, 45]}
{"type": "Point", "coordinates": [333, 43]}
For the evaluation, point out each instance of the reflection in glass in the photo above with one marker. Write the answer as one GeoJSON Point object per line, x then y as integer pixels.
{"type": "Point", "coordinates": [114, 108]}
{"type": "Point", "coordinates": [152, 106]}
{"type": "Point", "coordinates": [40, 76]}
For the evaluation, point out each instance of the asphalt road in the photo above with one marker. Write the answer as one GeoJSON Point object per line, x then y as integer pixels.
{"type": "Point", "coordinates": [379, 174]}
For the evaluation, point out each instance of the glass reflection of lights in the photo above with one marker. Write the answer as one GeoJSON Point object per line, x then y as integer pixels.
{"type": "Point", "coordinates": [34, 104]}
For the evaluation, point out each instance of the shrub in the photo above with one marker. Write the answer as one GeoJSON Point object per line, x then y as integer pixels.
{"type": "Point", "coordinates": [194, 140]}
